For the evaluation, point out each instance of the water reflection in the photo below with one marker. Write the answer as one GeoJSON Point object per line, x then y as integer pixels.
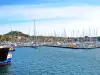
{"type": "Point", "coordinates": [5, 70]}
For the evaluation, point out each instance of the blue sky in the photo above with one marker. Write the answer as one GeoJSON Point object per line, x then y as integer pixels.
{"type": "Point", "coordinates": [50, 16]}
{"type": "Point", "coordinates": [10, 2]}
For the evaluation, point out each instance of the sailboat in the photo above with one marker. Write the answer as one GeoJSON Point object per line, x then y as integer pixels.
{"type": "Point", "coordinates": [34, 45]}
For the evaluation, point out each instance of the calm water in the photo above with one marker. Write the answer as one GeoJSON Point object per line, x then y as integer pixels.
{"type": "Point", "coordinates": [53, 61]}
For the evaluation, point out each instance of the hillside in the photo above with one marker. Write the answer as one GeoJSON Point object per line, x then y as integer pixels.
{"type": "Point", "coordinates": [16, 33]}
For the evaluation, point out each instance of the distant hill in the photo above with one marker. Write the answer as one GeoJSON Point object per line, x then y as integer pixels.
{"type": "Point", "coordinates": [16, 33]}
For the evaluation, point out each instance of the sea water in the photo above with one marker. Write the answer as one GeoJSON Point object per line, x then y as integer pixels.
{"type": "Point", "coordinates": [53, 61]}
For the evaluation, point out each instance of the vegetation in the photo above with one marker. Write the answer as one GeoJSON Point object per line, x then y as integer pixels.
{"type": "Point", "coordinates": [12, 36]}
{"type": "Point", "coordinates": [17, 33]}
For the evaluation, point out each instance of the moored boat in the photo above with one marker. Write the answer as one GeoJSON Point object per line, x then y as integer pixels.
{"type": "Point", "coordinates": [81, 46]}
{"type": "Point", "coordinates": [5, 56]}
{"type": "Point", "coordinates": [7, 61]}
{"type": "Point", "coordinates": [11, 49]}
{"type": "Point", "coordinates": [34, 46]}
{"type": "Point", "coordinates": [35, 43]}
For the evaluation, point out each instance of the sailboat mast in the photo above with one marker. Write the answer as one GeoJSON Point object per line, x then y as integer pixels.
{"type": "Point", "coordinates": [11, 35]}
{"type": "Point", "coordinates": [34, 29]}
{"type": "Point", "coordinates": [54, 36]}
{"type": "Point", "coordinates": [29, 35]}
{"type": "Point", "coordinates": [65, 33]}
{"type": "Point", "coordinates": [35, 37]}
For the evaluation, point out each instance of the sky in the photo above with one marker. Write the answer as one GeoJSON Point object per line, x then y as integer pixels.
{"type": "Point", "coordinates": [52, 17]}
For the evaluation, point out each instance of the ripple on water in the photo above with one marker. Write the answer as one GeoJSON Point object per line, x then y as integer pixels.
{"type": "Point", "coordinates": [53, 61]}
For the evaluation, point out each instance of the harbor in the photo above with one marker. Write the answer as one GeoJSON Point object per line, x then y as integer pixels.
{"type": "Point", "coordinates": [49, 37]}
{"type": "Point", "coordinates": [49, 55]}
{"type": "Point", "coordinates": [84, 43]}
{"type": "Point", "coordinates": [60, 44]}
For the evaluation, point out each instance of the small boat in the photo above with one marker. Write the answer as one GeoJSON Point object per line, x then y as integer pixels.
{"type": "Point", "coordinates": [33, 46]}
{"type": "Point", "coordinates": [5, 56]}
{"type": "Point", "coordinates": [11, 49]}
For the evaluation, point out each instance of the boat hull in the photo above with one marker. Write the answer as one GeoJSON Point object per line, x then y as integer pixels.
{"type": "Point", "coordinates": [34, 46]}
{"type": "Point", "coordinates": [79, 48]}
{"type": "Point", "coordinates": [3, 53]}
{"type": "Point", "coordinates": [7, 62]}
{"type": "Point", "coordinates": [5, 56]}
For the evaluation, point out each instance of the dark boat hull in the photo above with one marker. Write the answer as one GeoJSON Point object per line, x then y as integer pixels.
{"type": "Point", "coordinates": [33, 46]}
{"type": "Point", "coordinates": [79, 48]}
{"type": "Point", "coordinates": [3, 53]}
{"type": "Point", "coordinates": [7, 62]}
{"type": "Point", "coordinates": [3, 56]}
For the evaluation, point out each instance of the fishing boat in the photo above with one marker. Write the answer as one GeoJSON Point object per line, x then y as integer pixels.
{"type": "Point", "coordinates": [5, 56]}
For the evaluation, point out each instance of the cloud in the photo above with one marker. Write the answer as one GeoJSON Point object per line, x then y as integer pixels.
{"type": "Point", "coordinates": [50, 19]}
{"type": "Point", "coordinates": [28, 13]}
